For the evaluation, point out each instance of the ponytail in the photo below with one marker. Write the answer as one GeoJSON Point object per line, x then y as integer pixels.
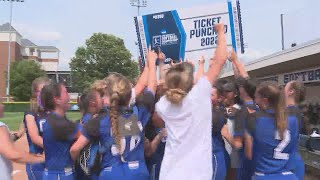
{"type": "Point", "coordinates": [175, 96]}
{"type": "Point", "coordinates": [281, 115]}
{"type": "Point", "coordinates": [114, 113]}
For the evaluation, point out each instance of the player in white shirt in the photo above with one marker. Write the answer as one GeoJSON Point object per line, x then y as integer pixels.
{"type": "Point", "coordinates": [186, 111]}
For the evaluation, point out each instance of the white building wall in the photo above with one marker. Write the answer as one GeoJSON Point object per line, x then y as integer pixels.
{"type": "Point", "coordinates": [25, 51]}
{"type": "Point", "coordinates": [49, 66]}
{"type": "Point", "coordinates": [15, 37]}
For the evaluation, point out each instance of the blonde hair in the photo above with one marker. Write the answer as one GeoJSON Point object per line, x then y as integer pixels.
{"type": "Point", "coordinates": [178, 81]}
{"type": "Point", "coordinates": [99, 86]}
{"type": "Point", "coordinates": [276, 99]}
{"type": "Point", "coordinates": [119, 90]}
{"type": "Point", "coordinates": [34, 101]}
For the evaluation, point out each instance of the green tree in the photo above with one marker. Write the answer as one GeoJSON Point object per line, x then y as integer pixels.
{"type": "Point", "coordinates": [103, 53]}
{"type": "Point", "coordinates": [22, 74]}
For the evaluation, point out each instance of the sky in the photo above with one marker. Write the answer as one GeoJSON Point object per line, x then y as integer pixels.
{"type": "Point", "coordinates": [66, 24]}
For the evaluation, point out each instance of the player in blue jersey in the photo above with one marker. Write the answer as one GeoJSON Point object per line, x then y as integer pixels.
{"type": "Point", "coordinates": [58, 133]}
{"type": "Point", "coordinates": [33, 122]}
{"type": "Point", "coordinates": [231, 102]}
{"type": "Point", "coordinates": [120, 130]}
{"type": "Point", "coordinates": [155, 141]}
{"type": "Point", "coordinates": [219, 151]}
{"type": "Point", "coordinates": [274, 134]}
{"type": "Point", "coordinates": [247, 87]}
{"type": "Point", "coordinates": [91, 103]}
{"type": "Point", "coordinates": [295, 93]}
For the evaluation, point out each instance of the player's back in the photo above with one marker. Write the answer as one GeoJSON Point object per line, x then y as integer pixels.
{"type": "Point", "coordinates": [56, 151]}
{"type": "Point", "coordinates": [271, 153]}
{"type": "Point", "coordinates": [39, 120]}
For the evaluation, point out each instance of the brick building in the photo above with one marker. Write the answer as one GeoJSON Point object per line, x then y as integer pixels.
{"type": "Point", "coordinates": [23, 49]}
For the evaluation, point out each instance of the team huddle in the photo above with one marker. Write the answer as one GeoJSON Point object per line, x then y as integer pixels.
{"type": "Point", "coordinates": [185, 126]}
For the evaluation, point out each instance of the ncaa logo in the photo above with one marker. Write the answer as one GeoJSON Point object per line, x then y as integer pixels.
{"type": "Point", "coordinates": [156, 41]}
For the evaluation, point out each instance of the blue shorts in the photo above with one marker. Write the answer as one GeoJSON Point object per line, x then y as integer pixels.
{"type": "Point", "coordinates": [219, 166]}
{"type": "Point", "coordinates": [35, 171]}
{"type": "Point", "coordinates": [279, 176]}
{"type": "Point", "coordinates": [125, 171]}
{"type": "Point", "coordinates": [61, 175]}
{"type": "Point", "coordinates": [246, 168]}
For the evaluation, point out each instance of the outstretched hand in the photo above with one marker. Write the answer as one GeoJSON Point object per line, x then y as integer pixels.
{"type": "Point", "coordinates": [151, 57]}
{"type": "Point", "coordinates": [219, 27]}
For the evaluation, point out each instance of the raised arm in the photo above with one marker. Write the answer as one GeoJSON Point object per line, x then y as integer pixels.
{"type": "Point", "coordinates": [163, 68]}
{"type": "Point", "coordinates": [220, 56]}
{"type": "Point", "coordinates": [200, 71]}
{"type": "Point", "coordinates": [234, 67]}
{"type": "Point", "coordinates": [152, 81]}
{"type": "Point", "coordinates": [142, 82]}
{"type": "Point", "coordinates": [237, 65]}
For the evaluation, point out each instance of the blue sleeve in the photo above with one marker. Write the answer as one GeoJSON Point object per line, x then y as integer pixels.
{"type": "Point", "coordinates": [86, 118]}
{"type": "Point", "coordinates": [145, 106]}
{"type": "Point", "coordinates": [250, 123]}
{"type": "Point", "coordinates": [75, 131]}
{"type": "Point", "coordinates": [144, 115]}
{"type": "Point", "coordinates": [91, 130]}
{"type": "Point", "coordinates": [240, 118]}
{"type": "Point", "coordinates": [84, 133]}
{"type": "Point", "coordinates": [147, 99]}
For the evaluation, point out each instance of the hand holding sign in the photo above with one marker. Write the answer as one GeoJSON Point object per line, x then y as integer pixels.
{"type": "Point", "coordinates": [151, 57]}
{"type": "Point", "coordinates": [161, 55]}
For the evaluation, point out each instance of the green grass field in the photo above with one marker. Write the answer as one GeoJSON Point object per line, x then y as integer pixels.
{"type": "Point", "coordinates": [13, 119]}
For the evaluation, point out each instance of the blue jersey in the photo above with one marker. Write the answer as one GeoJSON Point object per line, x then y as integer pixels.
{"type": "Point", "coordinates": [39, 120]}
{"type": "Point", "coordinates": [271, 154]}
{"type": "Point", "coordinates": [86, 118]}
{"type": "Point", "coordinates": [154, 162]}
{"type": "Point", "coordinates": [242, 122]}
{"type": "Point", "coordinates": [34, 170]}
{"type": "Point", "coordinates": [57, 148]}
{"type": "Point", "coordinates": [132, 142]}
{"type": "Point", "coordinates": [218, 122]}
{"type": "Point", "coordinates": [296, 163]}
{"type": "Point", "coordinates": [220, 156]}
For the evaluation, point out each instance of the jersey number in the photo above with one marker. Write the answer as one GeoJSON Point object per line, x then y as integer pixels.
{"type": "Point", "coordinates": [41, 122]}
{"type": "Point", "coordinates": [278, 154]}
{"type": "Point", "coordinates": [134, 142]}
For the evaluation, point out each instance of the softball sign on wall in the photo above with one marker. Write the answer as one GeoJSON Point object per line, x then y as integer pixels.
{"type": "Point", "coordinates": [189, 33]}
